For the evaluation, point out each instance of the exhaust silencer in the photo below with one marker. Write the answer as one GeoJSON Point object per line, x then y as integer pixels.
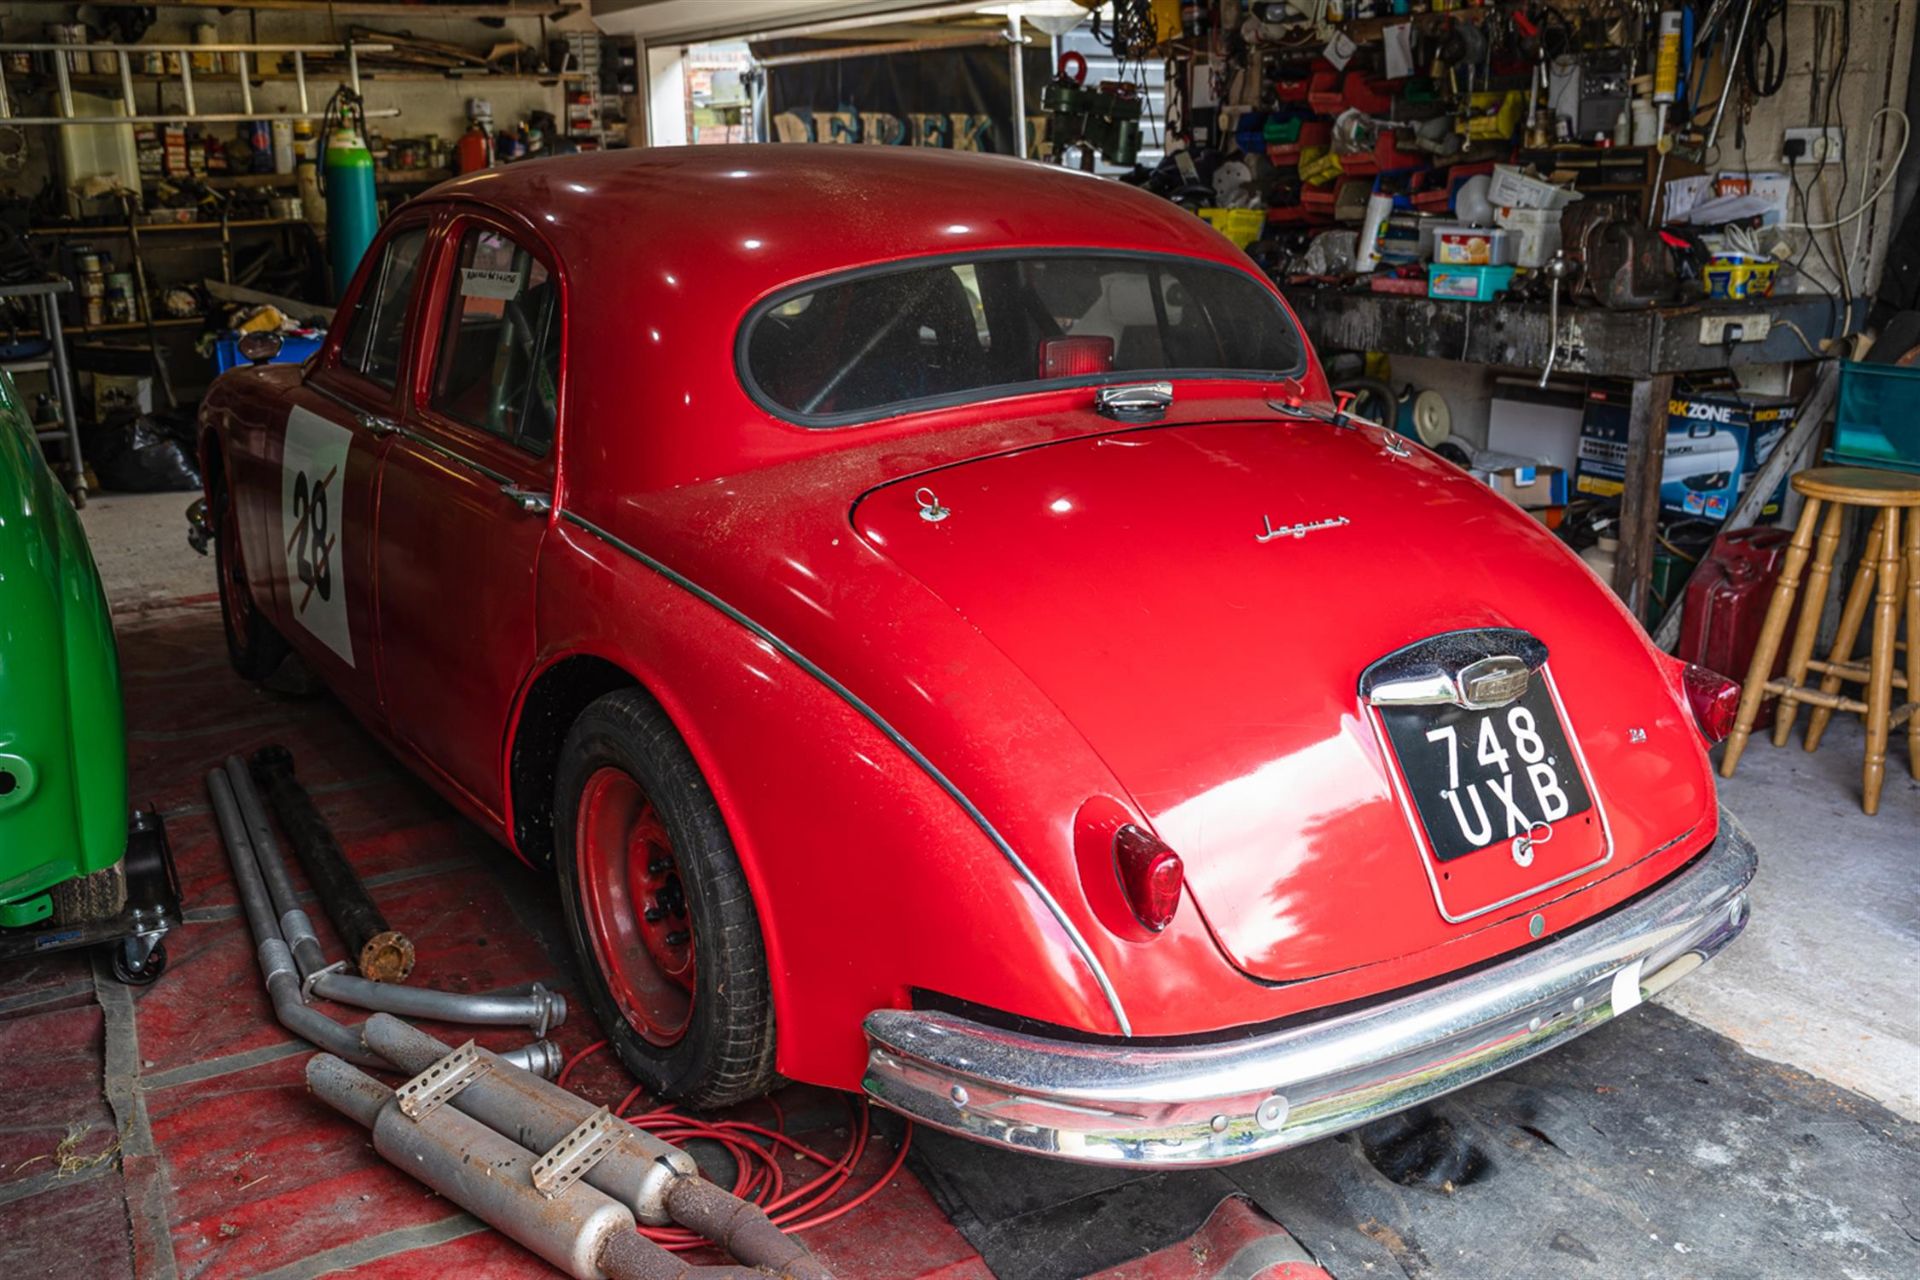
{"type": "Point", "coordinates": [580, 1230]}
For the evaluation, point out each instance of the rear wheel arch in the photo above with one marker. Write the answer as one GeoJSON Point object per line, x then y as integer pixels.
{"type": "Point", "coordinates": [554, 699]}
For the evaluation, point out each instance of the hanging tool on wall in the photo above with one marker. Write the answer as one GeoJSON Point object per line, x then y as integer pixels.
{"type": "Point", "coordinates": [380, 953]}
{"type": "Point", "coordinates": [1104, 120]}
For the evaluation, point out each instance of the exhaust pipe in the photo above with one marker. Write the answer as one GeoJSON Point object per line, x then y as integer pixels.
{"type": "Point", "coordinates": [381, 953]}
{"type": "Point", "coordinates": [656, 1181]}
{"type": "Point", "coordinates": [541, 1010]}
{"type": "Point", "coordinates": [580, 1230]}
{"type": "Point", "coordinates": [277, 964]}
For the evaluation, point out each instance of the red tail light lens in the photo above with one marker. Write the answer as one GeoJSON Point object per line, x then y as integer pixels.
{"type": "Point", "coordinates": [1074, 357]}
{"type": "Point", "coordinates": [1714, 700]}
{"type": "Point", "coordinates": [1150, 874]}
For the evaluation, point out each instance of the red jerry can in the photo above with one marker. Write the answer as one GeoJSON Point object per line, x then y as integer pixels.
{"type": "Point", "coordinates": [1726, 602]}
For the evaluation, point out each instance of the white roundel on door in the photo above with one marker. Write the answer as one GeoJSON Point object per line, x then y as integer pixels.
{"type": "Point", "coordinates": [313, 473]}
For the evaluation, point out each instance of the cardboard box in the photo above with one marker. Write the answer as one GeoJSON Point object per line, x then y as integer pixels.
{"type": "Point", "coordinates": [1533, 488]}
{"type": "Point", "coordinates": [1716, 441]}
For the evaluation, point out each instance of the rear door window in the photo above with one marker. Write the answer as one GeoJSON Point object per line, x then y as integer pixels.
{"type": "Point", "coordinates": [498, 366]}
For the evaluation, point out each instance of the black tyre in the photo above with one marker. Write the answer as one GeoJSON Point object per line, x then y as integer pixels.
{"type": "Point", "coordinates": [253, 646]}
{"type": "Point", "coordinates": [658, 908]}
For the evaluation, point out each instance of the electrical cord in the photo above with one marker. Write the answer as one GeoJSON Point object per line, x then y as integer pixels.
{"type": "Point", "coordinates": [1765, 78]}
{"type": "Point", "coordinates": [1867, 201]}
{"type": "Point", "coordinates": [755, 1150]}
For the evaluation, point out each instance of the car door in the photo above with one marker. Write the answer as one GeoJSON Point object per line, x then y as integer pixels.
{"type": "Point", "coordinates": [465, 500]}
{"type": "Point", "coordinates": [317, 489]}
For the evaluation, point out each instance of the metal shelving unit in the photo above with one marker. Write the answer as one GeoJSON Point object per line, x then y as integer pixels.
{"type": "Point", "coordinates": [59, 372]}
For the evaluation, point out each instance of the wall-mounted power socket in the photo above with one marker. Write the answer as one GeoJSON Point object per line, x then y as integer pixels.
{"type": "Point", "coordinates": [1716, 331]}
{"type": "Point", "coordinates": [1818, 146]}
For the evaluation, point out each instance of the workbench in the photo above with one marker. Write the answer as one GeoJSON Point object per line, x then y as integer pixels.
{"type": "Point", "coordinates": [1645, 347]}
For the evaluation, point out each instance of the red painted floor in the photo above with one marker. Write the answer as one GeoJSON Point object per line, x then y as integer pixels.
{"type": "Point", "coordinates": [166, 1131]}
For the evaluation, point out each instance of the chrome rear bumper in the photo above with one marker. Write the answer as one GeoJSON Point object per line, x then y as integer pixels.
{"type": "Point", "coordinates": [1209, 1104]}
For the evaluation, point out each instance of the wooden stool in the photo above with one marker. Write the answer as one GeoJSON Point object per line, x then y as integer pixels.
{"type": "Point", "coordinates": [1883, 579]}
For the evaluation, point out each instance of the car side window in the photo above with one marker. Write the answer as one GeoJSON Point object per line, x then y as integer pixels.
{"type": "Point", "coordinates": [499, 363]}
{"type": "Point", "coordinates": [378, 327]}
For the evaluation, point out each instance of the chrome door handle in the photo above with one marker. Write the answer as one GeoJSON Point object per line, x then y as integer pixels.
{"type": "Point", "coordinates": [375, 425]}
{"type": "Point", "coordinates": [529, 500]}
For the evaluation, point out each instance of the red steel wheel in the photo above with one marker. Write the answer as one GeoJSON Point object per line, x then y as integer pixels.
{"type": "Point", "coordinates": [648, 876]}
{"type": "Point", "coordinates": [635, 906]}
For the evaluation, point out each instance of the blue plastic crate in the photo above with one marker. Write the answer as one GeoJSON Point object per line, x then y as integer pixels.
{"type": "Point", "coordinates": [1877, 425]}
{"type": "Point", "coordinates": [294, 349]}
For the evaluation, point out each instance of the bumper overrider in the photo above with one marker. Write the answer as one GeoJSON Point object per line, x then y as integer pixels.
{"type": "Point", "coordinates": [1216, 1103]}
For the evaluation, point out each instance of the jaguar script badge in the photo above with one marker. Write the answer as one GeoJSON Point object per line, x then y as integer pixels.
{"type": "Point", "coordinates": [1299, 530]}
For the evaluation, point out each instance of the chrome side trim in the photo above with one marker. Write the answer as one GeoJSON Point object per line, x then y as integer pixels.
{"type": "Point", "coordinates": [894, 736]}
{"type": "Point", "coordinates": [382, 428]}
{"type": "Point", "coordinates": [1226, 1100]}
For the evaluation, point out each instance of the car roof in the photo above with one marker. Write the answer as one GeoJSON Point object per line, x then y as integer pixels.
{"type": "Point", "coordinates": [663, 252]}
{"type": "Point", "coordinates": [783, 211]}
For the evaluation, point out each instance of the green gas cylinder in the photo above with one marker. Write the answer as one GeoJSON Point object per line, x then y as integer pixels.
{"type": "Point", "coordinates": [351, 215]}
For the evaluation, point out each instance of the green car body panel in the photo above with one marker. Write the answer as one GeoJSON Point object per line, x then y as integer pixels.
{"type": "Point", "coordinates": [63, 758]}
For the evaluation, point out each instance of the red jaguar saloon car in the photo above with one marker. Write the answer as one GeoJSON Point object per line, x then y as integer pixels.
{"type": "Point", "coordinates": [930, 616]}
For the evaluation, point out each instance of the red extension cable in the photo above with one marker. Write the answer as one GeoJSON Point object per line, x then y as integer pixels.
{"type": "Point", "coordinates": [758, 1178]}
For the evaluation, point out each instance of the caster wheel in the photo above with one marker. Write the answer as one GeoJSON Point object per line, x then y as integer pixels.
{"type": "Point", "coordinates": [139, 975]}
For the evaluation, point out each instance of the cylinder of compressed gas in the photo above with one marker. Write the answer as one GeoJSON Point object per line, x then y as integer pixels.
{"type": "Point", "coordinates": [351, 215]}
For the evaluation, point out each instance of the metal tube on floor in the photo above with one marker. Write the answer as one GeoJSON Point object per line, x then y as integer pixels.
{"type": "Point", "coordinates": [276, 961]}
{"type": "Point", "coordinates": [580, 1230]}
{"type": "Point", "coordinates": [380, 953]}
{"type": "Point", "coordinates": [539, 1009]}
{"type": "Point", "coordinates": [281, 972]}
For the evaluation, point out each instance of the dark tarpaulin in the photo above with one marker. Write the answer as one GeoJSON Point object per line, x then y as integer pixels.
{"type": "Point", "coordinates": [956, 98]}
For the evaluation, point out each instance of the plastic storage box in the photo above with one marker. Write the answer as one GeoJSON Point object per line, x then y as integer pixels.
{"type": "Point", "coordinates": [1460, 246]}
{"type": "Point", "coordinates": [1876, 425]}
{"type": "Point", "coordinates": [1467, 284]}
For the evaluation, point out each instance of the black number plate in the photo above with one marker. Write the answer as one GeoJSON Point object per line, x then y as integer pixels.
{"type": "Point", "coordinates": [1480, 778]}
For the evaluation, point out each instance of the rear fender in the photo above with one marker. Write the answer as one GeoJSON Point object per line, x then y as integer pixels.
{"type": "Point", "coordinates": [869, 880]}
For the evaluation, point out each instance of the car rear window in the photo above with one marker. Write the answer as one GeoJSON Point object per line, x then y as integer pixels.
{"type": "Point", "coordinates": [876, 343]}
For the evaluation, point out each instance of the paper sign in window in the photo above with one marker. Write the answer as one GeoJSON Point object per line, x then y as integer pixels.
{"type": "Point", "coordinates": [479, 282]}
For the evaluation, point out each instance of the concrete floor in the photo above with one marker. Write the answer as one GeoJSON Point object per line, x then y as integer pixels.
{"type": "Point", "coordinates": [1826, 979]}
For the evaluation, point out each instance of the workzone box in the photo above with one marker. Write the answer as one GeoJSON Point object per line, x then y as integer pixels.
{"type": "Point", "coordinates": [1716, 441]}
